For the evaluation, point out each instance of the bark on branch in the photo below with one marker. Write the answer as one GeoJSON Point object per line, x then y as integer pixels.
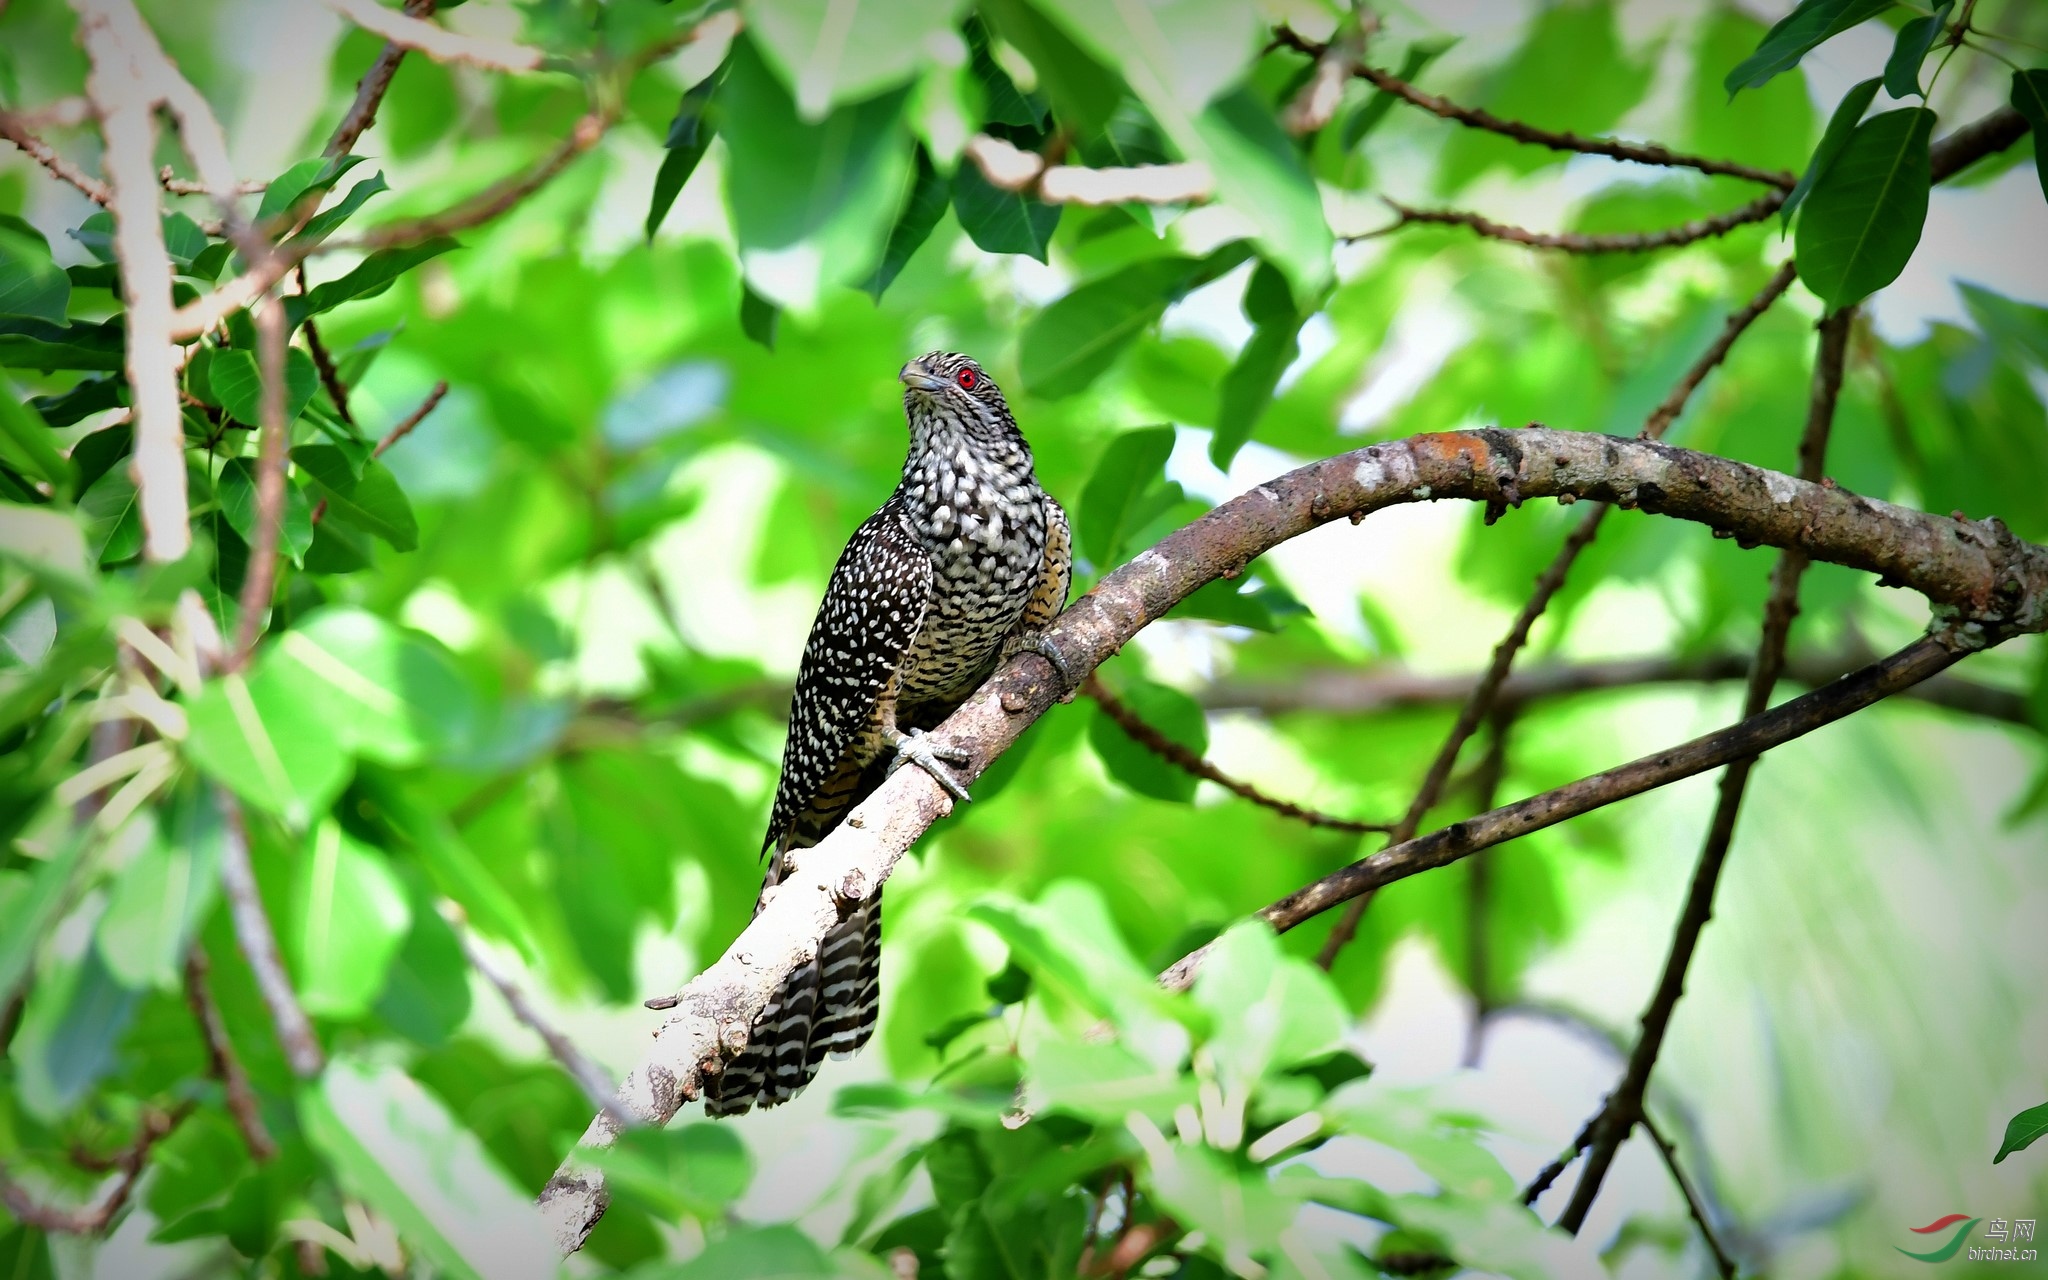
{"type": "Point", "coordinates": [1985, 582]}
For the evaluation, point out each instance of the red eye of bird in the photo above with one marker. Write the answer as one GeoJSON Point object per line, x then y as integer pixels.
{"type": "Point", "coordinates": [967, 378]}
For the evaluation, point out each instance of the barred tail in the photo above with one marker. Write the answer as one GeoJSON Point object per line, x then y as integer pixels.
{"type": "Point", "coordinates": [828, 1006]}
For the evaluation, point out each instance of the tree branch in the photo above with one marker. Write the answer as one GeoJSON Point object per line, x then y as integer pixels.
{"type": "Point", "coordinates": [1548, 584]}
{"type": "Point", "coordinates": [124, 99]}
{"type": "Point", "coordinates": [1623, 1108]}
{"type": "Point", "coordinates": [370, 90]}
{"type": "Point", "coordinates": [221, 1059]}
{"type": "Point", "coordinates": [1748, 738]}
{"type": "Point", "coordinates": [156, 1125]}
{"type": "Point", "coordinates": [1987, 583]}
{"type": "Point", "coordinates": [437, 42]}
{"type": "Point", "coordinates": [259, 945]}
{"type": "Point", "coordinates": [591, 1078]}
{"type": "Point", "coordinates": [1649, 153]}
{"type": "Point", "coordinates": [1722, 1262]}
{"type": "Point", "coordinates": [259, 579]}
{"type": "Point", "coordinates": [1348, 692]}
{"type": "Point", "coordinates": [1188, 762]}
{"type": "Point", "coordinates": [1685, 233]}
{"type": "Point", "coordinates": [1013, 169]}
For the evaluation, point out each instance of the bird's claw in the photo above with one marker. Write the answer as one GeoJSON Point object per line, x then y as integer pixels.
{"type": "Point", "coordinates": [916, 747]}
{"type": "Point", "coordinates": [1042, 645]}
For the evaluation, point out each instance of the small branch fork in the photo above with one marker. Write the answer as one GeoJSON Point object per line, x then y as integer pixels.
{"type": "Point", "coordinates": [1150, 738]}
{"type": "Point", "coordinates": [127, 1169]}
{"type": "Point", "coordinates": [1481, 700]}
{"type": "Point", "coordinates": [1623, 1108]}
{"type": "Point", "coordinates": [1686, 233]}
{"type": "Point", "coordinates": [1986, 584]}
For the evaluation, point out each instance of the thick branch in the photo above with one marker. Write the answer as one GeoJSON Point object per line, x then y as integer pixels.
{"type": "Point", "coordinates": [1990, 584]}
{"type": "Point", "coordinates": [1189, 762]}
{"type": "Point", "coordinates": [1624, 1107]}
{"type": "Point", "coordinates": [124, 100]}
{"type": "Point", "coordinates": [438, 43]}
{"type": "Point", "coordinates": [1685, 233]}
{"type": "Point", "coordinates": [1014, 169]}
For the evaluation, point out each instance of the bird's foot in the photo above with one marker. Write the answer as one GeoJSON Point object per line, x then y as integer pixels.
{"type": "Point", "coordinates": [916, 747]}
{"type": "Point", "coordinates": [1041, 644]}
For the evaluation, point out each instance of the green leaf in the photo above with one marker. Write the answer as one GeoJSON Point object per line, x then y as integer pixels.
{"type": "Point", "coordinates": [1795, 35]}
{"type": "Point", "coordinates": [74, 1017]}
{"type": "Point", "coordinates": [2030, 99]}
{"type": "Point", "coordinates": [1259, 173]}
{"type": "Point", "coordinates": [841, 51]}
{"type": "Point", "coordinates": [263, 739]}
{"type": "Point", "coordinates": [1248, 387]}
{"type": "Point", "coordinates": [236, 488]}
{"type": "Point", "coordinates": [1112, 505]}
{"type": "Point", "coordinates": [1909, 50]}
{"type": "Point", "coordinates": [25, 443]}
{"type": "Point", "coordinates": [689, 137]}
{"type": "Point", "coordinates": [1084, 93]}
{"type": "Point", "coordinates": [289, 187]}
{"type": "Point", "coordinates": [392, 1143]}
{"type": "Point", "coordinates": [29, 343]}
{"type": "Point", "coordinates": [2022, 1130]}
{"type": "Point", "coordinates": [1271, 1011]}
{"type": "Point", "coordinates": [1072, 342]}
{"type": "Point", "coordinates": [1864, 218]}
{"type": "Point", "coordinates": [426, 992]}
{"type": "Point", "coordinates": [349, 917]}
{"type": "Point", "coordinates": [759, 318]}
{"type": "Point", "coordinates": [758, 1253]}
{"type": "Point", "coordinates": [2020, 329]}
{"type": "Point", "coordinates": [48, 543]}
{"type": "Point", "coordinates": [371, 501]}
{"type": "Point", "coordinates": [370, 277]}
{"type": "Point", "coordinates": [162, 896]}
{"type": "Point", "coordinates": [812, 200]}
{"type": "Point", "coordinates": [1840, 126]}
{"type": "Point", "coordinates": [1138, 767]}
{"type": "Point", "coordinates": [323, 224]}
{"type": "Point", "coordinates": [922, 209]}
{"type": "Point", "coordinates": [694, 1169]}
{"type": "Point", "coordinates": [29, 910]}
{"type": "Point", "coordinates": [379, 692]}
{"type": "Point", "coordinates": [31, 282]}
{"type": "Point", "coordinates": [113, 517]}
{"type": "Point", "coordinates": [237, 382]}
{"type": "Point", "coordinates": [1242, 603]}
{"type": "Point", "coordinates": [1002, 221]}
{"type": "Point", "coordinates": [85, 398]}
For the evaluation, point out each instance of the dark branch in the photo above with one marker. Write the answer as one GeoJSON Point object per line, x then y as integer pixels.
{"type": "Point", "coordinates": [127, 1167]}
{"type": "Point", "coordinates": [1548, 584]}
{"type": "Point", "coordinates": [1624, 1107]}
{"type": "Point", "coordinates": [259, 945]}
{"type": "Point", "coordinates": [1722, 1262]}
{"type": "Point", "coordinates": [1187, 761]}
{"type": "Point", "coordinates": [1580, 242]}
{"type": "Point", "coordinates": [1774, 728]}
{"type": "Point", "coordinates": [221, 1059]}
{"type": "Point", "coordinates": [370, 90]}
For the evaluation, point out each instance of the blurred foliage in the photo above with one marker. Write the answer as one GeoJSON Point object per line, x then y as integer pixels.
{"type": "Point", "coordinates": [532, 658]}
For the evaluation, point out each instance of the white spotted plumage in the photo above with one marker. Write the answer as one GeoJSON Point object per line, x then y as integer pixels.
{"type": "Point", "coordinates": [966, 558]}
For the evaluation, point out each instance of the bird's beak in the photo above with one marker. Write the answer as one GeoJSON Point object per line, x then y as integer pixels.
{"type": "Point", "coordinates": [918, 378]}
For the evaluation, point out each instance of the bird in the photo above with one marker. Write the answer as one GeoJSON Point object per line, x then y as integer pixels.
{"type": "Point", "coordinates": [966, 563]}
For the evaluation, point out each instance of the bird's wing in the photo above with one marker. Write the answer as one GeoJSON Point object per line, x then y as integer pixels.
{"type": "Point", "coordinates": [873, 607]}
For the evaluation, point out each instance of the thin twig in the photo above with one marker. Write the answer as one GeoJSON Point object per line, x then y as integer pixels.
{"type": "Point", "coordinates": [1685, 233]}
{"type": "Point", "coordinates": [596, 1083]}
{"type": "Point", "coordinates": [323, 363]}
{"type": "Point", "coordinates": [1486, 780]}
{"type": "Point", "coordinates": [1548, 584]}
{"type": "Point", "coordinates": [259, 579]}
{"type": "Point", "coordinates": [128, 1166]}
{"type": "Point", "coordinates": [393, 436]}
{"type": "Point", "coordinates": [16, 130]}
{"type": "Point", "coordinates": [1747, 738]}
{"type": "Point", "coordinates": [370, 90]}
{"type": "Point", "coordinates": [1150, 738]}
{"type": "Point", "coordinates": [221, 1059]}
{"type": "Point", "coordinates": [1649, 153]}
{"type": "Point", "coordinates": [1722, 1262]}
{"type": "Point", "coordinates": [1354, 692]}
{"type": "Point", "coordinates": [258, 942]}
{"type": "Point", "coordinates": [1624, 1107]}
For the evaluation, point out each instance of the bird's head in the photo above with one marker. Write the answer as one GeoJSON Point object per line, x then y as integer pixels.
{"type": "Point", "coordinates": [949, 385]}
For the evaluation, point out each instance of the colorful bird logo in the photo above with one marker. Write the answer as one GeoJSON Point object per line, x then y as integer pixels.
{"type": "Point", "coordinates": [1955, 1242]}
